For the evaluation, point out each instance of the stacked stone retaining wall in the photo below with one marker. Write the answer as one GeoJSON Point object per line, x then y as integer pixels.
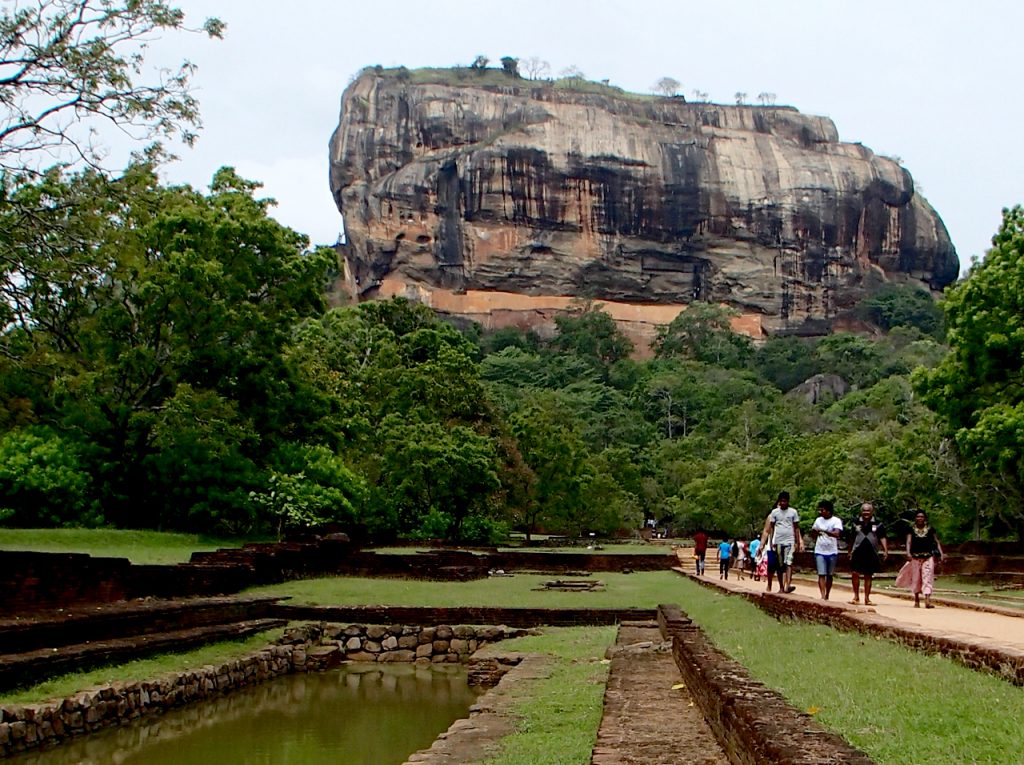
{"type": "Point", "coordinates": [47, 724]}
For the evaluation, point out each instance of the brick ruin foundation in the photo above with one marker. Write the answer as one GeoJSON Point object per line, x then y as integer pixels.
{"type": "Point", "coordinates": [745, 716]}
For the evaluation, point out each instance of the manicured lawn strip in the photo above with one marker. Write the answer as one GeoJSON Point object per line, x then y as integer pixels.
{"type": "Point", "coordinates": [140, 670]}
{"type": "Point", "coordinates": [559, 716]}
{"type": "Point", "coordinates": [644, 589]}
{"type": "Point", "coordinates": [144, 547]}
{"type": "Point", "coordinates": [899, 706]}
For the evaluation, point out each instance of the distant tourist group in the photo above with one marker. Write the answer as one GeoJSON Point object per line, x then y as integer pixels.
{"type": "Point", "coordinates": [770, 556]}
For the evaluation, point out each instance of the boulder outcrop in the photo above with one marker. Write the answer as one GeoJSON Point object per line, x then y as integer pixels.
{"type": "Point", "coordinates": [503, 200]}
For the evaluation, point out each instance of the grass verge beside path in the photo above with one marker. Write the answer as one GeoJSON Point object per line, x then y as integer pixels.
{"type": "Point", "coordinates": [139, 670]}
{"type": "Point", "coordinates": [645, 589]}
{"type": "Point", "coordinates": [558, 717]}
{"type": "Point", "coordinates": [143, 547]}
{"type": "Point", "coordinates": [899, 706]}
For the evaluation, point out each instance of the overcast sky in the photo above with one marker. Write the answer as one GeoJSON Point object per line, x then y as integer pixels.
{"type": "Point", "coordinates": [936, 83]}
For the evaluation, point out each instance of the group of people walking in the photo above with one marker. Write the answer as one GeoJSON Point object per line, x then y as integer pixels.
{"type": "Point", "coordinates": [770, 556]}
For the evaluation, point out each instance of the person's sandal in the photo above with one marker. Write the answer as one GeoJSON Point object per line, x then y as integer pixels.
{"type": "Point", "coordinates": [868, 603]}
{"type": "Point", "coordinates": [855, 602]}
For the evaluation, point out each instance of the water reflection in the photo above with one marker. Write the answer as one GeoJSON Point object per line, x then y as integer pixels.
{"type": "Point", "coordinates": [362, 714]}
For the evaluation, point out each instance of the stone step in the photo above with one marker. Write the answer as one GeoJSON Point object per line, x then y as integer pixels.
{"type": "Point", "coordinates": [20, 669]}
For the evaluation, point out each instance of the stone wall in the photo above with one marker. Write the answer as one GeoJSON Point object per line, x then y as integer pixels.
{"type": "Point", "coordinates": [35, 582]}
{"type": "Point", "coordinates": [515, 617]}
{"type": "Point", "coordinates": [50, 723]}
{"type": "Point", "coordinates": [968, 558]}
{"type": "Point", "coordinates": [753, 724]}
{"type": "Point", "coordinates": [312, 648]}
{"type": "Point", "coordinates": [406, 643]}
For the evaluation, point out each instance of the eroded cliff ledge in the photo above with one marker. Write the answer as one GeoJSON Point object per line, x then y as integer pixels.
{"type": "Point", "coordinates": [501, 202]}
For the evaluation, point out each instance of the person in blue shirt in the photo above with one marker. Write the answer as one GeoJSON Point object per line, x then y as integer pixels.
{"type": "Point", "coordinates": [752, 548]}
{"type": "Point", "coordinates": [724, 553]}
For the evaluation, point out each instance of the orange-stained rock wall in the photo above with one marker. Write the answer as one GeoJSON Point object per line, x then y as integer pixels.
{"type": "Point", "coordinates": [497, 310]}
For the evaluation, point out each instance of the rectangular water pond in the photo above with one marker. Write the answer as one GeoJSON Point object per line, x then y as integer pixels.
{"type": "Point", "coordinates": [360, 714]}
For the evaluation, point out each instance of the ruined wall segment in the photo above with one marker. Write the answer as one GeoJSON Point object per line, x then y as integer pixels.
{"type": "Point", "coordinates": [460, 192]}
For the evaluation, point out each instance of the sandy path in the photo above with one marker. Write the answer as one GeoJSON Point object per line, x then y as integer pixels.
{"type": "Point", "coordinates": [999, 628]}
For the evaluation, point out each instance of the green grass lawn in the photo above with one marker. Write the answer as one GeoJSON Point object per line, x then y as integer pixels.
{"type": "Point", "coordinates": [558, 716]}
{"type": "Point", "coordinates": [899, 706]}
{"type": "Point", "coordinates": [644, 589]}
{"type": "Point", "coordinates": [137, 546]}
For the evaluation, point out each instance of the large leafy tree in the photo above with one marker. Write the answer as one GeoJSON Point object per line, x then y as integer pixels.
{"type": "Point", "coordinates": [149, 323]}
{"type": "Point", "coordinates": [68, 67]}
{"type": "Point", "coordinates": [556, 454]}
{"type": "Point", "coordinates": [785, 361]}
{"type": "Point", "coordinates": [592, 334]}
{"type": "Point", "coordinates": [703, 333]}
{"type": "Point", "coordinates": [402, 392]}
{"type": "Point", "coordinates": [978, 389]}
{"type": "Point", "coordinates": [898, 305]}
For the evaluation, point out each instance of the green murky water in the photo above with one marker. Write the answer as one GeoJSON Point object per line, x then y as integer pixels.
{"type": "Point", "coordinates": [357, 715]}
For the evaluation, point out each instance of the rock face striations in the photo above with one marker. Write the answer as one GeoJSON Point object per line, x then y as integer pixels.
{"type": "Point", "coordinates": [503, 199]}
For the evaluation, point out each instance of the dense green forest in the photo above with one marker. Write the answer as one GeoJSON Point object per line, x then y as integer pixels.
{"type": "Point", "coordinates": [168, 361]}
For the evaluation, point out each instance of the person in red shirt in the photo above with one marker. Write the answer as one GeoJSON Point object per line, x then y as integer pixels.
{"type": "Point", "coordinates": [700, 545]}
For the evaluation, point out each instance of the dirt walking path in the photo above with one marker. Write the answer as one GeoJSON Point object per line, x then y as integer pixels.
{"type": "Point", "coordinates": [1002, 629]}
{"type": "Point", "coordinates": [648, 718]}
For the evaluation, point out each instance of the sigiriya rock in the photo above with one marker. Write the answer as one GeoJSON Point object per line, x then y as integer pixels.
{"type": "Point", "coordinates": [503, 200]}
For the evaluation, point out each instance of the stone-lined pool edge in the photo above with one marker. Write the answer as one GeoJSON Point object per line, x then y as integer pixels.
{"type": "Point", "coordinates": [311, 648]}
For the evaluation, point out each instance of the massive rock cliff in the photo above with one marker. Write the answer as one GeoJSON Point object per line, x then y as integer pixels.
{"type": "Point", "coordinates": [503, 200]}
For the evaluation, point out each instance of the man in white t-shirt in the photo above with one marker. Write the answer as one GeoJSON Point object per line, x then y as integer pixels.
{"type": "Point", "coordinates": [782, 532]}
{"type": "Point", "coordinates": [826, 529]}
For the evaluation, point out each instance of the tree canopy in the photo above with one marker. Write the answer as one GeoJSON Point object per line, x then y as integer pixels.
{"type": "Point", "coordinates": [168, 360]}
{"type": "Point", "coordinates": [978, 389]}
{"type": "Point", "coordinates": [67, 66]}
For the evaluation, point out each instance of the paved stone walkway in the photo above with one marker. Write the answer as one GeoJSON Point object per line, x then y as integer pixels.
{"type": "Point", "coordinates": [646, 720]}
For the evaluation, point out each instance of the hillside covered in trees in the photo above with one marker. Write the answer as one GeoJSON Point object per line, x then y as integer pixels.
{"type": "Point", "coordinates": [168, 361]}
